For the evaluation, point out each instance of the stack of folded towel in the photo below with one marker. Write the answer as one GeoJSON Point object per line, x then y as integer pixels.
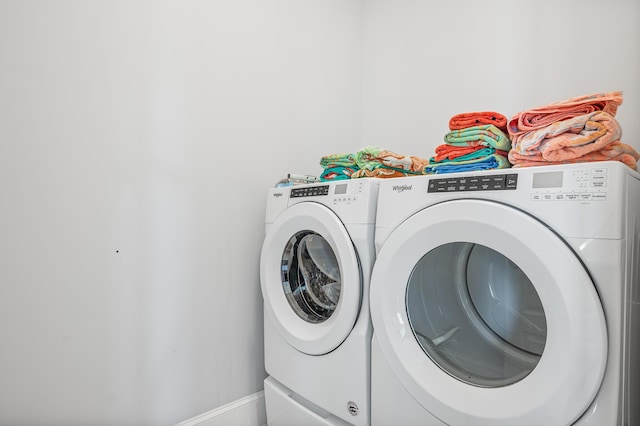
{"type": "Point", "coordinates": [382, 163]}
{"type": "Point", "coordinates": [370, 161]}
{"type": "Point", "coordinates": [576, 130]}
{"type": "Point", "coordinates": [338, 166]}
{"type": "Point", "coordinates": [476, 141]}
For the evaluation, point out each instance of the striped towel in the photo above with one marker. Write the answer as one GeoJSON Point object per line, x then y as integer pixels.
{"type": "Point", "coordinates": [471, 119]}
{"type": "Point", "coordinates": [493, 161]}
{"type": "Point", "coordinates": [485, 135]}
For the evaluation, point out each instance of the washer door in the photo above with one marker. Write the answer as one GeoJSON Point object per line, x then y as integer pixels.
{"type": "Point", "coordinates": [310, 278]}
{"type": "Point", "coordinates": [487, 317]}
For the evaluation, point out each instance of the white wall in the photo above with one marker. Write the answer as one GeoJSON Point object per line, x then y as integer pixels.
{"type": "Point", "coordinates": [138, 140]}
{"type": "Point", "coordinates": [425, 61]}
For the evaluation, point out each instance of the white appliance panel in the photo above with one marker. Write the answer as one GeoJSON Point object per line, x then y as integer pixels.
{"type": "Point", "coordinates": [570, 369]}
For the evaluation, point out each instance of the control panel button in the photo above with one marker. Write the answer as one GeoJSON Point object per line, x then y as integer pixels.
{"type": "Point", "coordinates": [310, 191]}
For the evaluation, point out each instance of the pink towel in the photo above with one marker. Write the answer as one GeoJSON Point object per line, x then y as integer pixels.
{"type": "Point", "coordinates": [572, 138]}
{"type": "Point", "coordinates": [537, 118]}
{"type": "Point", "coordinates": [617, 151]}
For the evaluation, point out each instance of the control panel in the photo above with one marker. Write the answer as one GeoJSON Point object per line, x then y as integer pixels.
{"type": "Point", "coordinates": [494, 182]}
{"type": "Point", "coordinates": [576, 184]}
{"type": "Point", "coordinates": [310, 191]}
{"type": "Point", "coordinates": [588, 183]}
{"type": "Point", "coordinates": [347, 192]}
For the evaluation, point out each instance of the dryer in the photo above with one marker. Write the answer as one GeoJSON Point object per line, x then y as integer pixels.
{"type": "Point", "coordinates": [315, 268]}
{"type": "Point", "coordinates": [508, 297]}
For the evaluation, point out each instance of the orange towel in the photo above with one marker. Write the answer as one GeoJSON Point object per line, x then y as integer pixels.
{"type": "Point", "coordinates": [449, 152]}
{"type": "Point", "coordinates": [537, 118]}
{"type": "Point", "coordinates": [471, 119]}
{"type": "Point", "coordinates": [446, 152]}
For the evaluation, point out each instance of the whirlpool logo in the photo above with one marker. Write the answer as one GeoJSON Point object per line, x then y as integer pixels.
{"type": "Point", "coordinates": [402, 188]}
{"type": "Point", "coordinates": [277, 194]}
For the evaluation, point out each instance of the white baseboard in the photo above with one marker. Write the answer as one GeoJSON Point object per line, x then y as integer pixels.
{"type": "Point", "coordinates": [247, 411]}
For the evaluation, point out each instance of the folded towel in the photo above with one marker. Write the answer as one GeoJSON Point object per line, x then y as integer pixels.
{"type": "Point", "coordinates": [537, 118]}
{"type": "Point", "coordinates": [371, 158]}
{"type": "Point", "coordinates": [485, 135]}
{"type": "Point", "coordinates": [572, 138]}
{"type": "Point", "coordinates": [477, 152]}
{"type": "Point", "coordinates": [449, 152]}
{"type": "Point", "coordinates": [471, 119]}
{"type": "Point", "coordinates": [337, 173]}
{"type": "Point", "coordinates": [493, 161]}
{"type": "Point", "coordinates": [383, 172]}
{"type": "Point", "coordinates": [338, 160]}
{"type": "Point", "coordinates": [616, 151]}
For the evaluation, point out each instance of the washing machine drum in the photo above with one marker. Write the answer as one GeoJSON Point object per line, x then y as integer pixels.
{"type": "Point", "coordinates": [310, 278]}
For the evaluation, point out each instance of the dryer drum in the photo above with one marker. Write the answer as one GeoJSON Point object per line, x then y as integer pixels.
{"type": "Point", "coordinates": [476, 314]}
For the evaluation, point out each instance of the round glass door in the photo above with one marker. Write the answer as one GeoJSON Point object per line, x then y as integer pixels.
{"type": "Point", "coordinates": [311, 277]}
{"type": "Point", "coordinates": [476, 314]}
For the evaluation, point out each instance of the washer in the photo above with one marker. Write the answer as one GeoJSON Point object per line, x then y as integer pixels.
{"type": "Point", "coordinates": [315, 268]}
{"type": "Point", "coordinates": [508, 298]}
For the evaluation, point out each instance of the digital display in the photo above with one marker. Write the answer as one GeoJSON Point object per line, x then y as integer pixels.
{"type": "Point", "coordinates": [547, 180]}
{"type": "Point", "coordinates": [340, 189]}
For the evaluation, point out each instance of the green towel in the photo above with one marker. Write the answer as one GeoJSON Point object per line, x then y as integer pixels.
{"type": "Point", "coordinates": [480, 153]}
{"type": "Point", "coordinates": [487, 135]}
{"type": "Point", "coordinates": [338, 160]}
{"type": "Point", "coordinates": [363, 156]}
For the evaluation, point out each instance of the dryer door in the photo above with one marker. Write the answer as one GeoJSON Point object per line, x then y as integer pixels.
{"type": "Point", "coordinates": [310, 278]}
{"type": "Point", "coordinates": [487, 317]}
